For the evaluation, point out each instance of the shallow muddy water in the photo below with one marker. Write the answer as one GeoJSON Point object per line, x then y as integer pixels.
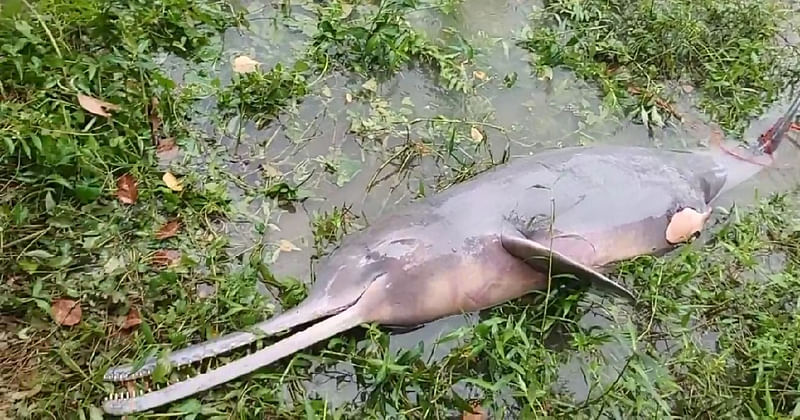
{"type": "Point", "coordinates": [535, 114]}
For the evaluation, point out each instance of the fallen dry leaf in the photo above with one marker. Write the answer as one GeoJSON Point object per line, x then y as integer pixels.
{"type": "Point", "coordinates": [286, 246]}
{"type": "Point", "coordinates": [167, 149]}
{"type": "Point", "coordinates": [173, 183]}
{"type": "Point", "coordinates": [133, 319]}
{"type": "Point", "coordinates": [348, 97]}
{"type": "Point", "coordinates": [476, 135]}
{"type": "Point", "coordinates": [66, 312]}
{"type": "Point", "coordinates": [244, 64]}
{"type": "Point", "coordinates": [168, 230]}
{"type": "Point", "coordinates": [204, 290]}
{"type": "Point", "coordinates": [271, 171]}
{"type": "Point", "coordinates": [166, 144]}
{"type": "Point", "coordinates": [166, 257]}
{"type": "Point", "coordinates": [96, 106]}
{"type": "Point", "coordinates": [127, 190]}
{"type": "Point", "coordinates": [479, 74]}
{"type": "Point", "coordinates": [687, 88]}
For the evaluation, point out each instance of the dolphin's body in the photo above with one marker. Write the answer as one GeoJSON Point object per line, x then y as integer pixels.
{"type": "Point", "coordinates": [481, 243]}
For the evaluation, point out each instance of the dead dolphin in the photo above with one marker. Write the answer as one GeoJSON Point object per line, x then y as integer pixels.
{"type": "Point", "coordinates": [485, 241]}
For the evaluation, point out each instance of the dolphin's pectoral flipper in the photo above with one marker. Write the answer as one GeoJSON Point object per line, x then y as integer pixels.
{"type": "Point", "coordinates": [402, 329]}
{"type": "Point", "coordinates": [545, 259]}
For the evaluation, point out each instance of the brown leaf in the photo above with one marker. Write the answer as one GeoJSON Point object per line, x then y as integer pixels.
{"type": "Point", "coordinates": [127, 190]}
{"type": "Point", "coordinates": [167, 148]}
{"type": "Point", "coordinates": [133, 319]}
{"type": "Point", "coordinates": [205, 290]}
{"type": "Point", "coordinates": [166, 144]}
{"type": "Point", "coordinates": [96, 106]}
{"type": "Point", "coordinates": [173, 183]}
{"type": "Point", "coordinates": [166, 257]}
{"type": "Point", "coordinates": [66, 312]}
{"type": "Point", "coordinates": [169, 230]}
{"type": "Point", "coordinates": [479, 75]}
{"type": "Point", "coordinates": [244, 64]}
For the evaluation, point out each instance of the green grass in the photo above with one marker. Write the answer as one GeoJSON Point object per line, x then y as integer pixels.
{"type": "Point", "coordinates": [730, 51]}
{"type": "Point", "coordinates": [380, 41]}
{"type": "Point", "coordinates": [65, 234]}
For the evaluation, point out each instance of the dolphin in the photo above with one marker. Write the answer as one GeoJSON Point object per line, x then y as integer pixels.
{"type": "Point", "coordinates": [507, 232]}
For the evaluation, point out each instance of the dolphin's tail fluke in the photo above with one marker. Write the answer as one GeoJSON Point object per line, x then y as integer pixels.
{"type": "Point", "coordinates": [770, 141]}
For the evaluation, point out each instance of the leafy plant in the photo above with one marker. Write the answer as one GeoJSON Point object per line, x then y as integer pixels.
{"type": "Point", "coordinates": [258, 96]}
{"type": "Point", "coordinates": [381, 42]}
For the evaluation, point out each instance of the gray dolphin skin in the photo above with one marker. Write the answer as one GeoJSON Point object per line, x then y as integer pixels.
{"type": "Point", "coordinates": [503, 234]}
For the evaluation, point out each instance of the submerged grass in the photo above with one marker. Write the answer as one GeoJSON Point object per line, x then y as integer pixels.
{"type": "Point", "coordinates": [715, 336]}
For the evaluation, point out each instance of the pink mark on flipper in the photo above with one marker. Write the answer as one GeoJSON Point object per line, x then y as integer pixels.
{"type": "Point", "coordinates": [685, 224]}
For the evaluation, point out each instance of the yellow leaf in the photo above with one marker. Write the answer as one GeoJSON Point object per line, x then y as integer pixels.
{"type": "Point", "coordinates": [346, 10]}
{"type": "Point", "coordinates": [348, 98]}
{"type": "Point", "coordinates": [286, 246]}
{"type": "Point", "coordinates": [173, 183]}
{"type": "Point", "coordinates": [271, 171]}
{"type": "Point", "coordinates": [479, 74]}
{"type": "Point", "coordinates": [244, 64]}
{"type": "Point", "coordinates": [476, 135]}
{"type": "Point", "coordinates": [96, 106]}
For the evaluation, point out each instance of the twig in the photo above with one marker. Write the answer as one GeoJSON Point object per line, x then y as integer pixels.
{"type": "Point", "coordinates": [44, 26]}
